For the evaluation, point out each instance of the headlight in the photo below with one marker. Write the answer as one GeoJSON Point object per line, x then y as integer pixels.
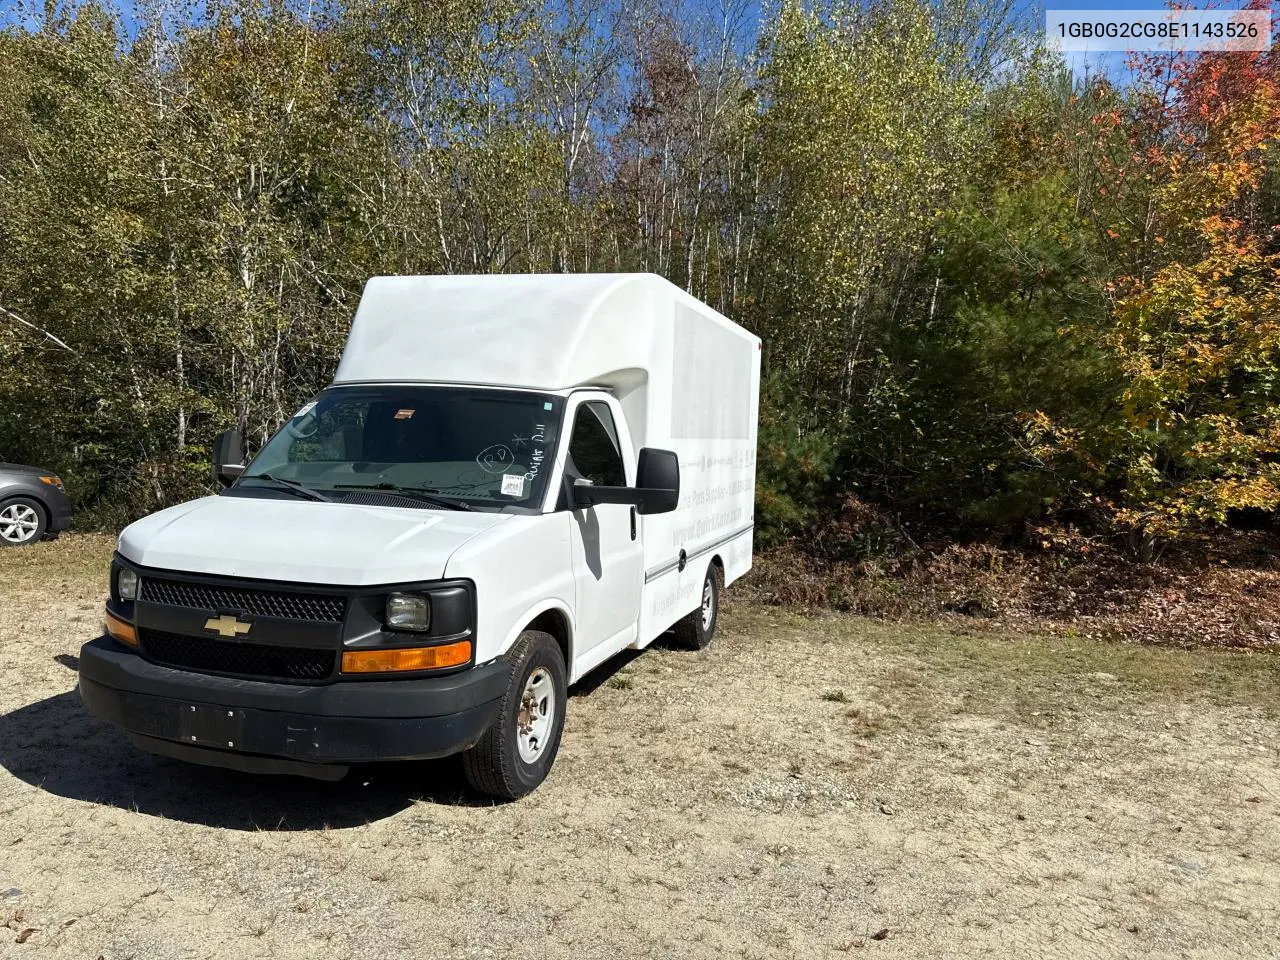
{"type": "Point", "coordinates": [408, 611]}
{"type": "Point", "coordinates": [52, 481]}
{"type": "Point", "coordinates": [127, 584]}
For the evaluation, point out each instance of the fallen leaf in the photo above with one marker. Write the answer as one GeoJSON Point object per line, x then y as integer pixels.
{"type": "Point", "coordinates": [25, 935]}
{"type": "Point", "coordinates": [881, 934]}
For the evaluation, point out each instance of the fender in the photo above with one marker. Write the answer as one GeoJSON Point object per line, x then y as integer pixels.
{"type": "Point", "coordinates": [537, 610]}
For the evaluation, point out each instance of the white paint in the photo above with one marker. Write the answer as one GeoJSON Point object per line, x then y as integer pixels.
{"type": "Point", "coordinates": [520, 566]}
{"type": "Point", "coordinates": [608, 565]}
{"type": "Point", "coordinates": [546, 332]}
{"type": "Point", "coordinates": [302, 541]}
{"type": "Point", "coordinates": [615, 338]}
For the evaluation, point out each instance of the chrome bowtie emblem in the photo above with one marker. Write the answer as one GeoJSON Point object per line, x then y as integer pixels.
{"type": "Point", "coordinates": [227, 626]}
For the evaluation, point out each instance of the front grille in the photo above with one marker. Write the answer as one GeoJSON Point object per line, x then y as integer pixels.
{"type": "Point", "coordinates": [300, 664]}
{"type": "Point", "coordinates": [318, 607]}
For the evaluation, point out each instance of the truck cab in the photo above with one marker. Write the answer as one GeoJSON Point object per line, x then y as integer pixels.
{"type": "Point", "coordinates": [485, 505]}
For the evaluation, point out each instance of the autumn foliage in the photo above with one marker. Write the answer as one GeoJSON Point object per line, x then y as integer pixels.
{"type": "Point", "coordinates": [1192, 436]}
{"type": "Point", "coordinates": [999, 298]}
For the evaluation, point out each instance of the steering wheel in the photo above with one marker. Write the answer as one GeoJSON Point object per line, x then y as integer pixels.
{"type": "Point", "coordinates": [296, 431]}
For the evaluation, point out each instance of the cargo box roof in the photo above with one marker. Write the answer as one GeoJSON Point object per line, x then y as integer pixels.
{"type": "Point", "coordinates": [538, 331]}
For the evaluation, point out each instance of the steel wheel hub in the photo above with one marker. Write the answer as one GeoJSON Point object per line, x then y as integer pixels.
{"type": "Point", "coordinates": [708, 604]}
{"type": "Point", "coordinates": [536, 716]}
{"type": "Point", "coordinates": [18, 523]}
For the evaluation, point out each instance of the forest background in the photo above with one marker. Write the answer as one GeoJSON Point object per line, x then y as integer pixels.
{"type": "Point", "coordinates": [1015, 316]}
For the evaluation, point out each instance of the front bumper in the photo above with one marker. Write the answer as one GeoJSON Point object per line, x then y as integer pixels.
{"type": "Point", "coordinates": [59, 510]}
{"type": "Point", "coordinates": [287, 728]}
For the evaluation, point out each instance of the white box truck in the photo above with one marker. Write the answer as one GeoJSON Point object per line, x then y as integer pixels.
{"type": "Point", "coordinates": [510, 480]}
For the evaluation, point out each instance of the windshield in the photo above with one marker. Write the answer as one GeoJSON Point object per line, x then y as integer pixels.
{"type": "Point", "coordinates": [486, 447]}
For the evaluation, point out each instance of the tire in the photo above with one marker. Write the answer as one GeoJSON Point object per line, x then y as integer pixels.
{"type": "Point", "coordinates": [506, 764]}
{"type": "Point", "coordinates": [22, 522]}
{"type": "Point", "coordinates": [696, 630]}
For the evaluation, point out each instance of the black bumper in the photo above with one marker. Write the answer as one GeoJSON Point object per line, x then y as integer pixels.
{"type": "Point", "coordinates": [285, 728]}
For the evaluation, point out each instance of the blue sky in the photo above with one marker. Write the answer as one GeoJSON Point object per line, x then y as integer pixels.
{"type": "Point", "coordinates": [30, 12]}
{"type": "Point", "coordinates": [1111, 64]}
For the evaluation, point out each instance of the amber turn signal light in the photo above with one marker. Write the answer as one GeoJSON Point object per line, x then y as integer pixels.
{"type": "Point", "coordinates": [406, 659]}
{"type": "Point", "coordinates": [121, 630]}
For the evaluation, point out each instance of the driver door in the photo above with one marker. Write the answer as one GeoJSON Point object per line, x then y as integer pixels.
{"type": "Point", "coordinates": [608, 557]}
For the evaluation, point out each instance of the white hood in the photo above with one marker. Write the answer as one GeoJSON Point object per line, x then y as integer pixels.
{"type": "Point", "coordinates": [302, 541]}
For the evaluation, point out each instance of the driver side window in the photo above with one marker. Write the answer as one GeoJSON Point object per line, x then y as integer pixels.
{"type": "Point", "coordinates": [594, 452]}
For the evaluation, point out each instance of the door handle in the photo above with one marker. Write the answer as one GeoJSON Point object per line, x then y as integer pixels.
{"type": "Point", "coordinates": [633, 523]}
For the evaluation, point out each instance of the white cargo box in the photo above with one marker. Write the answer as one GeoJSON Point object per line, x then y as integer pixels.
{"type": "Point", "coordinates": [687, 377]}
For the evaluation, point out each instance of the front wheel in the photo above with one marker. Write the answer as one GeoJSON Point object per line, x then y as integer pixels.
{"type": "Point", "coordinates": [21, 522]}
{"type": "Point", "coordinates": [516, 753]}
{"type": "Point", "coordinates": [695, 631]}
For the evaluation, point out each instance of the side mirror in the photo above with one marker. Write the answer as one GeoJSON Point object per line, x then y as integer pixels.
{"type": "Point", "coordinates": [657, 487]}
{"type": "Point", "coordinates": [228, 457]}
{"type": "Point", "coordinates": [658, 475]}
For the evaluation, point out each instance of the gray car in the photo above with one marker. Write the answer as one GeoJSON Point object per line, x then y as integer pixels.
{"type": "Point", "coordinates": [33, 505]}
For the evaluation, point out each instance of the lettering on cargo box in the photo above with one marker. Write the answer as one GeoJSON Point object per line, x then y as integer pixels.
{"type": "Point", "coordinates": [664, 602]}
{"type": "Point", "coordinates": [700, 529]}
{"type": "Point", "coordinates": [738, 460]}
{"type": "Point", "coordinates": [712, 495]}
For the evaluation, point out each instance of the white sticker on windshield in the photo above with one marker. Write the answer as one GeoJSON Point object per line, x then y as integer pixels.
{"type": "Point", "coordinates": [513, 485]}
{"type": "Point", "coordinates": [306, 408]}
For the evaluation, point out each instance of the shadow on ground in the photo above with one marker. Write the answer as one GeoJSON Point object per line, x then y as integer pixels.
{"type": "Point", "coordinates": [602, 674]}
{"type": "Point", "coordinates": [55, 744]}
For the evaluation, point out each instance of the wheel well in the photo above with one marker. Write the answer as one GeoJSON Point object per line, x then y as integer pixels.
{"type": "Point", "coordinates": [719, 565]}
{"type": "Point", "coordinates": [555, 623]}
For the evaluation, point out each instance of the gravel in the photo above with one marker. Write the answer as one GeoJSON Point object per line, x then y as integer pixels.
{"type": "Point", "coordinates": [971, 795]}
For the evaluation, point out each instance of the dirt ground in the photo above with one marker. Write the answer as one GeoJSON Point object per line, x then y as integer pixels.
{"type": "Point", "coordinates": [807, 787]}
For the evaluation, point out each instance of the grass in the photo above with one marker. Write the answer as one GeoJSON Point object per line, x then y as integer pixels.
{"type": "Point", "coordinates": [1038, 668]}
{"type": "Point", "coordinates": [1029, 676]}
{"type": "Point", "coordinates": [865, 723]}
{"type": "Point", "coordinates": [70, 558]}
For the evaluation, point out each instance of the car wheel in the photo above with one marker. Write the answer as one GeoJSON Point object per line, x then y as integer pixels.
{"type": "Point", "coordinates": [516, 753]}
{"type": "Point", "coordinates": [696, 630]}
{"type": "Point", "coordinates": [22, 522]}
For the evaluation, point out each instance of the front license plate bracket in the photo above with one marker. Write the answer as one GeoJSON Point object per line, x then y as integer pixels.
{"type": "Point", "coordinates": [211, 726]}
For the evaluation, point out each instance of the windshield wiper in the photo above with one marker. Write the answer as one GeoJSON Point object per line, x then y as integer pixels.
{"type": "Point", "coordinates": [292, 485]}
{"type": "Point", "coordinates": [425, 494]}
